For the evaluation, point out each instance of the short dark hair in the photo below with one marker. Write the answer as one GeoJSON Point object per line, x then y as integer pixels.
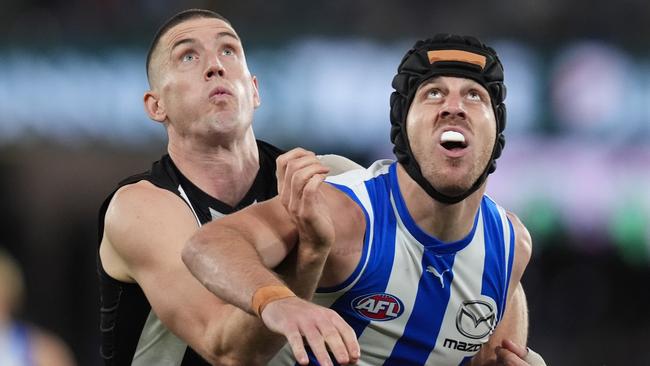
{"type": "Point", "coordinates": [175, 20]}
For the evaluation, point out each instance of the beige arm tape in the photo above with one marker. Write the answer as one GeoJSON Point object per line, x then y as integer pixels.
{"type": "Point", "coordinates": [267, 294]}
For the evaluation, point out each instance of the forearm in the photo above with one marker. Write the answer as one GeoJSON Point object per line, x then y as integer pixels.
{"type": "Point", "coordinates": [245, 337]}
{"type": "Point", "coordinates": [228, 265]}
{"type": "Point", "coordinates": [303, 268]}
{"type": "Point", "coordinates": [241, 339]}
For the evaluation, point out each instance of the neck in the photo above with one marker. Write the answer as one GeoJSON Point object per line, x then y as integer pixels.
{"type": "Point", "coordinates": [224, 170]}
{"type": "Point", "coordinates": [445, 222]}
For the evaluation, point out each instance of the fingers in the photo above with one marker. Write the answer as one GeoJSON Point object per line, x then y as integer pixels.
{"type": "Point", "coordinates": [316, 342]}
{"type": "Point", "coordinates": [310, 191]}
{"type": "Point", "coordinates": [321, 328]}
{"type": "Point", "coordinates": [335, 342]}
{"type": "Point", "coordinates": [288, 160]}
{"type": "Point", "coordinates": [336, 336]}
{"type": "Point", "coordinates": [299, 182]}
{"type": "Point", "coordinates": [288, 165]}
{"type": "Point", "coordinates": [513, 347]}
{"type": "Point", "coordinates": [349, 339]}
{"type": "Point", "coordinates": [298, 347]}
{"type": "Point", "coordinates": [511, 354]}
{"type": "Point", "coordinates": [281, 164]}
{"type": "Point", "coordinates": [320, 337]}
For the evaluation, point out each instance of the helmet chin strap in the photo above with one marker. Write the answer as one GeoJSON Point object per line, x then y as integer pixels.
{"type": "Point", "coordinates": [413, 169]}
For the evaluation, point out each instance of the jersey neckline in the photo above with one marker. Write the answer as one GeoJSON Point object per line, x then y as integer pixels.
{"type": "Point", "coordinates": [428, 241]}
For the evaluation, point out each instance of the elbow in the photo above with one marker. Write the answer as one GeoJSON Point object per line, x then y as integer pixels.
{"type": "Point", "coordinates": [191, 252]}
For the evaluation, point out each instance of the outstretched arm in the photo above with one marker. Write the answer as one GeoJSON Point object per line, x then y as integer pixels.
{"type": "Point", "coordinates": [145, 231]}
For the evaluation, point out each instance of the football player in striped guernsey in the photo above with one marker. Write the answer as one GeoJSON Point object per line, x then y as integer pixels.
{"type": "Point", "coordinates": [153, 312]}
{"type": "Point", "coordinates": [422, 264]}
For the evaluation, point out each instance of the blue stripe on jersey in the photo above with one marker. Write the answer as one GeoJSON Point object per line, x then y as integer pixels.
{"type": "Point", "coordinates": [366, 238]}
{"type": "Point", "coordinates": [494, 270]}
{"type": "Point", "coordinates": [375, 277]}
{"type": "Point", "coordinates": [377, 272]}
{"type": "Point", "coordinates": [430, 242]}
{"type": "Point", "coordinates": [421, 331]}
{"type": "Point", "coordinates": [364, 254]}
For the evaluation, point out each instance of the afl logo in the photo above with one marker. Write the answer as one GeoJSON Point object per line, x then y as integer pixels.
{"type": "Point", "coordinates": [378, 306]}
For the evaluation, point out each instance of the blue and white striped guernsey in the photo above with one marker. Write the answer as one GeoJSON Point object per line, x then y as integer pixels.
{"type": "Point", "coordinates": [412, 299]}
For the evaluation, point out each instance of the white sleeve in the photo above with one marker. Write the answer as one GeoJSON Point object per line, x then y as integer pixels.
{"type": "Point", "coordinates": [338, 164]}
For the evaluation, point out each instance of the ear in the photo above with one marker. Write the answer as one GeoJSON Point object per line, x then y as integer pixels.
{"type": "Point", "coordinates": [256, 93]}
{"type": "Point", "coordinates": [154, 106]}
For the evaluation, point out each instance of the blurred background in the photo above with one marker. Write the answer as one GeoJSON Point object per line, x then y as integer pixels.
{"type": "Point", "coordinates": [576, 167]}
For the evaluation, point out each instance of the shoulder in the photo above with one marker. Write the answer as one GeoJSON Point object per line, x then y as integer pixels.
{"type": "Point", "coordinates": [143, 201]}
{"type": "Point", "coordinates": [141, 217]}
{"type": "Point", "coordinates": [523, 241]}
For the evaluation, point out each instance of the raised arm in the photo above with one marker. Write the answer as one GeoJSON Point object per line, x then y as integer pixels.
{"type": "Point", "coordinates": [298, 179]}
{"type": "Point", "coordinates": [231, 258]}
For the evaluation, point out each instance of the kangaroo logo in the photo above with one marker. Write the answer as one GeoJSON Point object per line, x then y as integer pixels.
{"type": "Point", "coordinates": [432, 269]}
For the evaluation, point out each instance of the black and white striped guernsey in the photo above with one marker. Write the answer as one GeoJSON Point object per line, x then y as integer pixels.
{"type": "Point", "coordinates": [131, 334]}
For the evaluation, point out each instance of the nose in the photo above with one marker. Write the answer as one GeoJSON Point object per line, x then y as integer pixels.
{"type": "Point", "coordinates": [214, 69]}
{"type": "Point", "coordinates": [453, 108]}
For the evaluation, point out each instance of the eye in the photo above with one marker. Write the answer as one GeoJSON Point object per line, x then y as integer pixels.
{"type": "Point", "coordinates": [474, 95]}
{"type": "Point", "coordinates": [189, 57]}
{"type": "Point", "coordinates": [228, 52]}
{"type": "Point", "coordinates": [434, 93]}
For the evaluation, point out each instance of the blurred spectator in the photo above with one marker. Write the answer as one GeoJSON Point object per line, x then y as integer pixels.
{"type": "Point", "coordinates": [21, 344]}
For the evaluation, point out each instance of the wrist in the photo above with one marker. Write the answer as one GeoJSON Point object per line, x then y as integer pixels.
{"type": "Point", "coordinates": [267, 294]}
{"type": "Point", "coordinates": [312, 252]}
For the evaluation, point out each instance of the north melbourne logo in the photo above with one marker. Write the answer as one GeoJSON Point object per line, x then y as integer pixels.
{"type": "Point", "coordinates": [475, 319]}
{"type": "Point", "coordinates": [378, 306]}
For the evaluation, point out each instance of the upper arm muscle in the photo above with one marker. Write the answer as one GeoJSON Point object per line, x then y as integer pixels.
{"type": "Point", "coordinates": [147, 228]}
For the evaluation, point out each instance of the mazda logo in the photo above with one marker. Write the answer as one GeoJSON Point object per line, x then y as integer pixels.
{"type": "Point", "coordinates": [475, 319]}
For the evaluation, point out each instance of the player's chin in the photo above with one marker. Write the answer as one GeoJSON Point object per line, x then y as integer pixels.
{"type": "Point", "coordinates": [454, 183]}
{"type": "Point", "coordinates": [451, 190]}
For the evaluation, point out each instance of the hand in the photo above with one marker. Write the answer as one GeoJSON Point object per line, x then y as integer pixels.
{"type": "Point", "coordinates": [512, 354]}
{"type": "Point", "coordinates": [296, 318]}
{"type": "Point", "coordinates": [300, 174]}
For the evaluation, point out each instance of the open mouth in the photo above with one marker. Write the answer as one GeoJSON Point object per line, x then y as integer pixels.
{"type": "Point", "coordinates": [452, 140]}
